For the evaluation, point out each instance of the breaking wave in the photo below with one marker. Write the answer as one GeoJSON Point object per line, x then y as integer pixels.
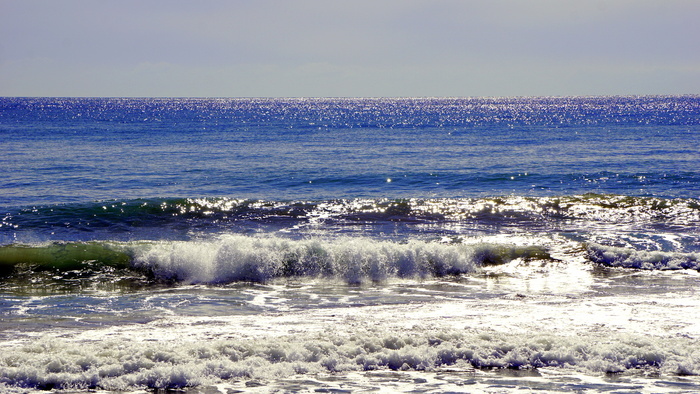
{"type": "Point", "coordinates": [648, 260]}
{"type": "Point", "coordinates": [235, 258]}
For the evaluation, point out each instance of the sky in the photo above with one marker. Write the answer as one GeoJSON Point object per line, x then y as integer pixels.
{"type": "Point", "coordinates": [359, 48]}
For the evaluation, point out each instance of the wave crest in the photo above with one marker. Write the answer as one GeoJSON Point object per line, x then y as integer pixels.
{"type": "Point", "coordinates": [235, 258]}
{"type": "Point", "coordinates": [649, 260]}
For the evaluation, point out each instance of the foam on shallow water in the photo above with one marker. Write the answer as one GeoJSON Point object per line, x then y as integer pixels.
{"type": "Point", "coordinates": [128, 365]}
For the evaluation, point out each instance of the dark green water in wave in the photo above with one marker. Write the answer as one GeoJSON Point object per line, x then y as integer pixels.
{"type": "Point", "coordinates": [249, 259]}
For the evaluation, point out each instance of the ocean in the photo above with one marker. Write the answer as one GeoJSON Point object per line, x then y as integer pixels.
{"type": "Point", "coordinates": [423, 245]}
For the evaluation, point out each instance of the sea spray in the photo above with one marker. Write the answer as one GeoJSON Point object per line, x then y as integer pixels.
{"type": "Point", "coordinates": [234, 258]}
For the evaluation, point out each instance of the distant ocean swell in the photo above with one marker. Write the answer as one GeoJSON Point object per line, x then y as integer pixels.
{"type": "Point", "coordinates": [124, 365]}
{"type": "Point", "coordinates": [220, 213]}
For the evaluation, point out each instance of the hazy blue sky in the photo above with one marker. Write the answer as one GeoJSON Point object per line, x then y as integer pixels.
{"type": "Point", "coordinates": [236, 48]}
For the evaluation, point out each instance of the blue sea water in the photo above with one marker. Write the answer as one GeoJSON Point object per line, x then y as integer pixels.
{"type": "Point", "coordinates": [430, 244]}
{"type": "Point", "coordinates": [77, 150]}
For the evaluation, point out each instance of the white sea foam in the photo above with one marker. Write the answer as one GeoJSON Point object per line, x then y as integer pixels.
{"type": "Point", "coordinates": [649, 260]}
{"type": "Point", "coordinates": [127, 365]}
{"type": "Point", "coordinates": [244, 258]}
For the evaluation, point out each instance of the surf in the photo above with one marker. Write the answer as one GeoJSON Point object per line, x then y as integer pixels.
{"type": "Point", "coordinates": [240, 258]}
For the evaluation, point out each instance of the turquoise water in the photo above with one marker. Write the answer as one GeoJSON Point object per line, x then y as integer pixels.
{"type": "Point", "coordinates": [350, 244]}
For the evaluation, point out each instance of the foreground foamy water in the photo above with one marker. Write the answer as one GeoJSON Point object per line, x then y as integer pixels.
{"type": "Point", "coordinates": [538, 325]}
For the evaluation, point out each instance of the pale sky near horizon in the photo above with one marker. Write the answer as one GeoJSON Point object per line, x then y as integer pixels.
{"type": "Point", "coordinates": [378, 48]}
